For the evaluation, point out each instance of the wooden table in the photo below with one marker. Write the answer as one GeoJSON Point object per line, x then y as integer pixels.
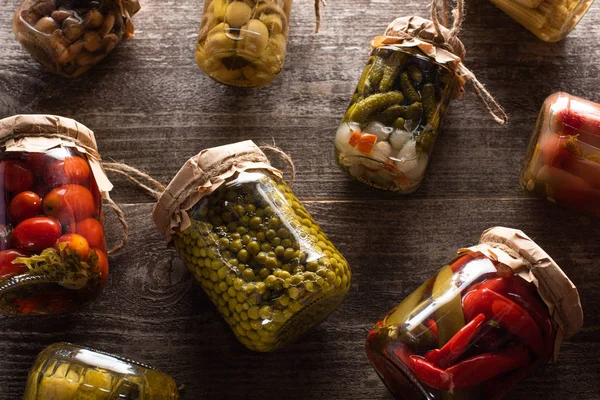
{"type": "Point", "coordinates": [151, 107]}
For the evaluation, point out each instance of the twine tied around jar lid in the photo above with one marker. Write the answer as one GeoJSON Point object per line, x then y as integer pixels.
{"type": "Point", "coordinates": [40, 133]}
{"type": "Point", "coordinates": [437, 41]}
{"type": "Point", "coordinates": [527, 259]}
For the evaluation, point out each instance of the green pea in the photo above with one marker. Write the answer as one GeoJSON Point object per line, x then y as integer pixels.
{"type": "Point", "coordinates": [253, 247]}
{"type": "Point", "coordinates": [243, 255]}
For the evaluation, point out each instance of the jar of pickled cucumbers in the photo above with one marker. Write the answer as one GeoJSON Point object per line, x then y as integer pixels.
{"type": "Point", "coordinates": [65, 371]}
{"type": "Point", "coordinates": [488, 319]}
{"type": "Point", "coordinates": [563, 160]}
{"type": "Point", "coordinates": [261, 258]}
{"type": "Point", "coordinates": [387, 135]}
{"type": "Point", "coordinates": [242, 42]}
{"type": "Point", "coordinates": [549, 20]}
{"type": "Point", "coordinates": [52, 245]}
{"type": "Point", "coordinates": [68, 37]}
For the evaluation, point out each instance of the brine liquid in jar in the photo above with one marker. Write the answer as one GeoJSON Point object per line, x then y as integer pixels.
{"type": "Point", "coordinates": [549, 20]}
{"type": "Point", "coordinates": [563, 159]}
{"type": "Point", "coordinates": [471, 332]}
{"type": "Point", "coordinates": [243, 42]}
{"type": "Point", "coordinates": [53, 254]}
{"type": "Point", "coordinates": [389, 130]}
{"type": "Point", "coordinates": [64, 371]}
{"type": "Point", "coordinates": [263, 260]}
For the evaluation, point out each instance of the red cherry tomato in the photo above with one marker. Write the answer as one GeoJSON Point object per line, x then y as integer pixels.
{"type": "Point", "coordinates": [91, 229]}
{"type": "Point", "coordinates": [77, 243]}
{"type": "Point", "coordinates": [102, 265]}
{"type": "Point", "coordinates": [69, 204]}
{"type": "Point", "coordinates": [24, 205]}
{"type": "Point", "coordinates": [36, 234]}
{"type": "Point", "coordinates": [16, 175]}
{"type": "Point", "coordinates": [70, 170]}
{"type": "Point", "coordinates": [7, 268]}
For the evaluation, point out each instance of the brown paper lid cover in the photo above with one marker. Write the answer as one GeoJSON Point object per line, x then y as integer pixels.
{"type": "Point", "coordinates": [200, 176]}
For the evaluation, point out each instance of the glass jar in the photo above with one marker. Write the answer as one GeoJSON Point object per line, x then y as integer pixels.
{"type": "Point", "coordinates": [563, 159]}
{"type": "Point", "coordinates": [64, 371]}
{"type": "Point", "coordinates": [258, 254]}
{"type": "Point", "coordinates": [243, 42]}
{"type": "Point", "coordinates": [549, 20]}
{"type": "Point", "coordinates": [69, 37]}
{"type": "Point", "coordinates": [388, 132]}
{"type": "Point", "coordinates": [53, 254]}
{"type": "Point", "coordinates": [480, 325]}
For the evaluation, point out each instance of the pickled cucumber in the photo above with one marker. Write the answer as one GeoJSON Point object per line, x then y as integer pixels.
{"type": "Point", "coordinates": [263, 261]}
{"type": "Point", "coordinates": [408, 89]}
{"type": "Point", "coordinates": [371, 104]}
{"type": "Point", "coordinates": [403, 92]}
{"type": "Point", "coordinates": [391, 70]}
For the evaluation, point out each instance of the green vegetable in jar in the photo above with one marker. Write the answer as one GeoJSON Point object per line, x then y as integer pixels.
{"type": "Point", "coordinates": [263, 260]}
{"type": "Point", "coordinates": [365, 108]}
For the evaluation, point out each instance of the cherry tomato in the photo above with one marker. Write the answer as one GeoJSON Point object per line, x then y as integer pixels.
{"type": "Point", "coordinates": [36, 234]}
{"type": "Point", "coordinates": [77, 243]}
{"type": "Point", "coordinates": [69, 204]}
{"type": "Point", "coordinates": [70, 170]}
{"type": "Point", "coordinates": [102, 265]}
{"type": "Point", "coordinates": [7, 268]}
{"type": "Point", "coordinates": [27, 306]}
{"type": "Point", "coordinates": [24, 205]}
{"type": "Point", "coordinates": [91, 229]}
{"type": "Point", "coordinates": [17, 176]}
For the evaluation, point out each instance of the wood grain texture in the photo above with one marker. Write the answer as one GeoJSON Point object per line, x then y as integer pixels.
{"type": "Point", "coordinates": [151, 107]}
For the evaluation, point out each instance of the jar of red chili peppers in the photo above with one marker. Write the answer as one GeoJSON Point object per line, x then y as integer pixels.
{"type": "Point", "coordinates": [563, 160]}
{"type": "Point", "coordinates": [490, 317]}
{"type": "Point", "coordinates": [53, 250]}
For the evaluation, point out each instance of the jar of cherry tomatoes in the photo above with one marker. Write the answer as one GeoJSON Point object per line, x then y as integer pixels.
{"type": "Point", "coordinates": [563, 160]}
{"type": "Point", "coordinates": [53, 250]}
{"type": "Point", "coordinates": [65, 371]}
{"type": "Point", "coordinates": [489, 318]}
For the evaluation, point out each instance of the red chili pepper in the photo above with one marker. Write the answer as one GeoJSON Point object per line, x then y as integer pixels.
{"type": "Point", "coordinates": [470, 372]}
{"type": "Point", "coordinates": [447, 355]}
{"type": "Point", "coordinates": [508, 314]}
{"type": "Point", "coordinates": [518, 290]}
{"type": "Point", "coordinates": [429, 374]}
{"type": "Point", "coordinates": [478, 369]}
{"type": "Point", "coordinates": [463, 261]}
{"type": "Point", "coordinates": [432, 327]}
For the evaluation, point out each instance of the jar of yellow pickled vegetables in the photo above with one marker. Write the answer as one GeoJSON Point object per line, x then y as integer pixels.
{"type": "Point", "coordinates": [563, 160]}
{"type": "Point", "coordinates": [494, 314]}
{"type": "Point", "coordinates": [65, 371]}
{"type": "Point", "coordinates": [258, 254]}
{"type": "Point", "coordinates": [549, 20]}
{"type": "Point", "coordinates": [69, 37]}
{"type": "Point", "coordinates": [243, 42]}
{"type": "Point", "coordinates": [388, 132]}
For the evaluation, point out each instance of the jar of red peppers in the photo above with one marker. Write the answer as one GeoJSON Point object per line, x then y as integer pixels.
{"type": "Point", "coordinates": [53, 254]}
{"type": "Point", "coordinates": [563, 160]}
{"type": "Point", "coordinates": [65, 371]}
{"type": "Point", "coordinates": [490, 317]}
